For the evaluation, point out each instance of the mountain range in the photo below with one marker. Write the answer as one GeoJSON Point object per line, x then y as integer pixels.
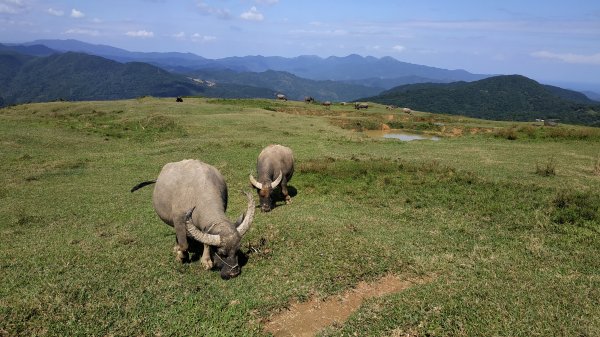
{"type": "Point", "coordinates": [46, 70]}
{"type": "Point", "coordinates": [348, 68]}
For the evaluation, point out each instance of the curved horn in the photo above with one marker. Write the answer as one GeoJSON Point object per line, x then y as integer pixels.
{"type": "Point", "coordinates": [278, 180]}
{"type": "Point", "coordinates": [245, 225]}
{"type": "Point", "coordinates": [198, 235]}
{"type": "Point", "coordinates": [255, 183]}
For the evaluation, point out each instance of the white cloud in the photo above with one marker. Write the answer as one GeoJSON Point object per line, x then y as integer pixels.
{"type": "Point", "coordinates": [252, 15]}
{"type": "Point", "coordinates": [179, 36]}
{"type": "Point", "coordinates": [593, 59]}
{"type": "Point", "coordinates": [202, 38]}
{"type": "Point", "coordinates": [12, 6]}
{"type": "Point", "coordinates": [206, 9]}
{"type": "Point", "coordinates": [79, 31]}
{"type": "Point", "coordinates": [55, 12]}
{"type": "Point", "coordinates": [140, 33]}
{"type": "Point", "coordinates": [398, 48]}
{"type": "Point", "coordinates": [266, 2]}
{"type": "Point", "coordinates": [76, 14]}
{"type": "Point", "coordinates": [325, 32]}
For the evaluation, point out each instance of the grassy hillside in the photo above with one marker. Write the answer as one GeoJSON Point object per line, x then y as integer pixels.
{"type": "Point", "coordinates": [511, 97]}
{"type": "Point", "coordinates": [501, 218]}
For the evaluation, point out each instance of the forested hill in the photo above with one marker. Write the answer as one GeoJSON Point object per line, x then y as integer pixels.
{"type": "Point", "coordinates": [510, 97]}
{"type": "Point", "coordinates": [77, 76]}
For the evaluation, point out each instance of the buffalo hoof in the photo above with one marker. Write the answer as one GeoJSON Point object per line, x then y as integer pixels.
{"type": "Point", "coordinates": [180, 255]}
{"type": "Point", "coordinates": [207, 263]}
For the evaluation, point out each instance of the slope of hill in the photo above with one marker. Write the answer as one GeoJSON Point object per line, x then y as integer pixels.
{"type": "Point", "coordinates": [294, 87]}
{"type": "Point", "coordinates": [511, 97]}
{"type": "Point", "coordinates": [32, 50]}
{"type": "Point", "coordinates": [75, 76]}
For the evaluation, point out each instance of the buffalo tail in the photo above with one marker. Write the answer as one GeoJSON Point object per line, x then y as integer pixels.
{"type": "Point", "coordinates": [140, 185]}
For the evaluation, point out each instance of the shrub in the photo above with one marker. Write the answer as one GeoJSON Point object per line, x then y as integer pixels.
{"type": "Point", "coordinates": [576, 208]}
{"type": "Point", "coordinates": [508, 133]}
{"type": "Point", "coordinates": [547, 170]}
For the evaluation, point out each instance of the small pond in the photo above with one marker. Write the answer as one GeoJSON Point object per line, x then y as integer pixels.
{"type": "Point", "coordinates": [400, 135]}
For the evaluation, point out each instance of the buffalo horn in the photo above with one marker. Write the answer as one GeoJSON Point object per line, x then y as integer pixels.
{"type": "Point", "coordinates": [278, 180]}
{"type": "Point", "coordinates": [255, 183]}
{"type": "Point", "coordinates": [198, 235]}
{"type": "Point", "coordinates": [245, 225]}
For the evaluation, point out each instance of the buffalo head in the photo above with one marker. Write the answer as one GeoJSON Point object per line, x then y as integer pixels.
{"type": "Point", "coordinates": [265, 190]}
{"type": "Point", "coordinates": [226, 244]}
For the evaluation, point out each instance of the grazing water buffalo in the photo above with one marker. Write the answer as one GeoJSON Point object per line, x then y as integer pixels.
{"type": "Point", "coordinates": [359, 106]}
{"type": "Point", "coordinates": [309, 99]}
{"type": "Point", "coordinates": [281, 97]}
{"type": "Point", "coordinates": [275, 166]}
{"type": "Point", "coordinates": [407, 111]}
{"type": "Point", "coordinates": [191, 196]}
{"type": "Point", "coordinates": [326, 104]}
{"type": "Point", "coordinates": [179, 99]}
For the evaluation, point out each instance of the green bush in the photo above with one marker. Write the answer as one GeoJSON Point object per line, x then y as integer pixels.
{"type": "Point", "coordinates": [576, 208]}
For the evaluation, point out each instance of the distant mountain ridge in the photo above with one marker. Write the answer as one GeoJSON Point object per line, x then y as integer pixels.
{"type": "Point", "coordinates": [351, 67]}
{"type": "Point", "coordinates": [507, 97]}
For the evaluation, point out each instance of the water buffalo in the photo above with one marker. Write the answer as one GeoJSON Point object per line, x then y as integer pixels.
{"type": "Point", "coordinates": [407, 111]}
{"type": "Point", "coordinates": [309, 99]}
{"type": "Point", "coordinates": [326, 104]}
{"type": "Point", "coordinates": [359, 106]}
{"type": "Point", "coordinates": [281, 97]}
{"type": "Point", "coordinates": [275, 166]}
{"type": "Point", "coordinates": [179, 99]}
{"type": "Point", "coordinates": [191, 196]}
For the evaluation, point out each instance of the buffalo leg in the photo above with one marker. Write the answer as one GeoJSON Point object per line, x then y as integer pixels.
{"type": "Point", "coordinates": [284, 190]}
{"type": "Point", "coordinates": [181, 249]}
{"type": "Point", "coordinates": [206, 260]}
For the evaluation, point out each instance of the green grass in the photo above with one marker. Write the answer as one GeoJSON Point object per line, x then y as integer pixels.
{"type": "Point", "coordinates": [513, 252]}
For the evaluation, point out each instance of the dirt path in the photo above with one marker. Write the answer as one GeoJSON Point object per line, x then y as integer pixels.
{"type": "Point", "coordinates": [307, 319]}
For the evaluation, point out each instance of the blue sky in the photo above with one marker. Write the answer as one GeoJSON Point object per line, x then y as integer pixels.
{"type": "Point", "coordinates": [551, 41]}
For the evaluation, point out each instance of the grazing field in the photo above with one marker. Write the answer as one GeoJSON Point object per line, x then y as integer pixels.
{"type": "Point", "coordinates": [501, 219]}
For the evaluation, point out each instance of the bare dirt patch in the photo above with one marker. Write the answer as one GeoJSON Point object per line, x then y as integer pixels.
{"type": "Point", "coordinates": [308, 318]}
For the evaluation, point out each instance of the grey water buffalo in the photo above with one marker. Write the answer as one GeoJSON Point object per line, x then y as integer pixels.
{"type": "Point", "coordinates": [359, 106]}
{"type": "Point", "coordinates": [191, 196]}
{"type": "Point", "coordinates": [309, 99]}
{"type": "Point", "coordinates": [275, 167]}
{"type": "Point", "coordinates": [281, 97]}
{"type": "Point", "coordinates": [407, 111]}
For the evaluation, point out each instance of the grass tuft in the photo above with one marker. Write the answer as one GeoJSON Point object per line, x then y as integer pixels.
{"type": "Point", "coordinates": [546, 170]}
{"type": "Point", "coordinates": [576, 208]}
